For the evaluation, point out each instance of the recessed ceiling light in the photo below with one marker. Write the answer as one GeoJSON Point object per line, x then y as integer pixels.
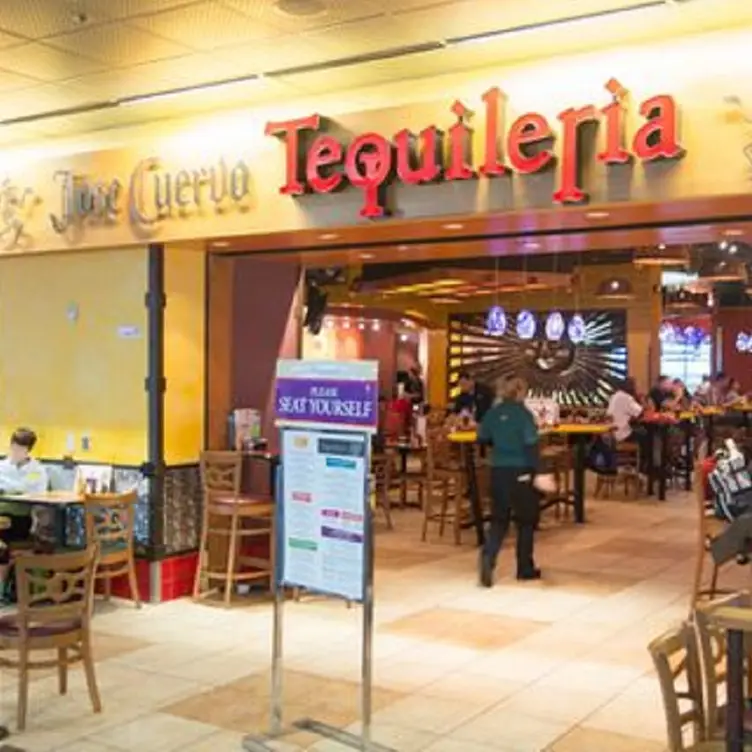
{"type": "Point", "coordinates": [328, 236]}
{"type": "Point", "coordinates": [733, 233]}
{"type": "Point", "coordinates": [733, 248]}
{"type": "Point", "coordinates": [661, 246]}
{"type": "Point", "coordinates": [367, 256]}
{"type": "Point", "coordinates": [220, 244]}
{"type": "Point", "coordinates": [597, 215]}
{"type": "Point", "coordinates": [453, 226]}
{"type": "Point", "coordinates": [531, 245]}
{"type": "Point", "coordinates": [403, 247]}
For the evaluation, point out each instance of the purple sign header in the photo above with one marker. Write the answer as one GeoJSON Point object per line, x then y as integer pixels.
{"type": "Point", "coordinates": [338, 402]}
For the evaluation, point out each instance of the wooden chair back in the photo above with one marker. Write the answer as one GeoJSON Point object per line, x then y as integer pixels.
{"type": "Point", "coordinates": [677, 664]}
{"type": "Point", "coordinates": [111, 523]}
{"type": "Point", "coordinates": [221, 473]}
{"type": "Point", "coordinates": [441, 453]}
{"type": "Point", "coordinates": [55, 590]}
{"type": "Point", "coordinates": [712, 645]}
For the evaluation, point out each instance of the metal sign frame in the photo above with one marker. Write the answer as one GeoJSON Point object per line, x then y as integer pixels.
{"type": "Point", "coordinates": [364, 741]}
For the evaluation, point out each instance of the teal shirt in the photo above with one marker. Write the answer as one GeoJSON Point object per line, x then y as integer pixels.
{"type": "Point", "coordinates": [510, 428]}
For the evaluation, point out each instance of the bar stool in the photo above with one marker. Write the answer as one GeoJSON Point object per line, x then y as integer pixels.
{"type": "Point", "coordinates": [242, 516]}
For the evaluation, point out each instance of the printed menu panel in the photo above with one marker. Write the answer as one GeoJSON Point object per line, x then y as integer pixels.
{"type": "Point", "coordinates": [324, 507]}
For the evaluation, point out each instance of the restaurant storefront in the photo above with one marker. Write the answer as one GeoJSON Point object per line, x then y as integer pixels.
{"type": "Point", "coordinates": [148, 286]}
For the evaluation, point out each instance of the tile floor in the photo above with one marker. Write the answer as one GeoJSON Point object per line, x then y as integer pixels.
{"type": "Point", "coordinates": [559, 665]}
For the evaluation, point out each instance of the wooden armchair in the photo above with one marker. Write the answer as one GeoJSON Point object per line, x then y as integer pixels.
{"type": "Point", "coordinates": [110, 523]}
{"type": "Point", "coordinates": [55, 598]}
{"type": "Point", "coordinates": [446, 475]}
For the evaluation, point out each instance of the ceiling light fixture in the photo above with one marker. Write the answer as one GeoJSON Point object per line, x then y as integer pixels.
{"type": "Point", "coordinates": [300, 8]}
{"type": "Point", "coordinates": [328, 236]}
{"type": "Point", "coordinates": [733, 233]}
{"type": "Point", "coordinates": [367, 256]}
{"type": "Point", "coordinates": [220, 244]}
{"type": "Point", "coordinates": [403, 247]}
{"type": "Point", "coordinates": [453, 226]}
{"type": "Point", "coordinates": [597, 215]}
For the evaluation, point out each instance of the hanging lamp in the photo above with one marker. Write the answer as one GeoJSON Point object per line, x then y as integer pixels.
{"type": "Point", "coordinates": [526, 325]}
{"type": "Point", "coordinates": [496, 317]}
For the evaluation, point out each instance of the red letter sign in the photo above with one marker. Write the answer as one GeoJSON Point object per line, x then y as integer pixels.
{"type": "Point", "coordinates": [570, 192]}
{"type": "Point", "coordinates": [658, 138]}
{"type": "Point", "coordinates": [325, 151]}
{"type": "Point", "coordinates": [525, 131]}
{"type": "Point", "coordinates": [288, 131]}
{"type": "Point", "coordinates": [368, 164]}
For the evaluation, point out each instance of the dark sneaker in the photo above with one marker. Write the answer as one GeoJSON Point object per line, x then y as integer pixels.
{"type": "Point", "coordinates": [533, 574]}
{"type": "Point", "coordinates": [486, 571]}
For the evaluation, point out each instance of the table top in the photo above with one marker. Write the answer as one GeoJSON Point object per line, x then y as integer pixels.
{"type": "Point", "coordinates": [48, 498]}
{"type": "Point", "coordinates": [563, 429]}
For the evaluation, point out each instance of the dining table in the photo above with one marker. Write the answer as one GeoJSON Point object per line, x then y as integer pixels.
{"type": "Point", "coordinates": [59, 501]}
{"type": "Point", "coordinates": [579, 436]}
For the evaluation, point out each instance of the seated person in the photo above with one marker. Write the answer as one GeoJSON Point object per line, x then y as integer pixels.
{"type": "Point", "coordinates": [475, 399]}
{"type": "Point", "coordinates": [662, 395]}
{"type": "Point", "coordinates": [19, 473]}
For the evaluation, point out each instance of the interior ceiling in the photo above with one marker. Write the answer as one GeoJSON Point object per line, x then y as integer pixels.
{"type": "Point", "coordinates": [60, 55]}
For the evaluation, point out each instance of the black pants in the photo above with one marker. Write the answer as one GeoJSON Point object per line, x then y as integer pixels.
{"type": "Point", "coordinates": [512, 496]}
{"type": "Point", "coordinates": [19, 530]}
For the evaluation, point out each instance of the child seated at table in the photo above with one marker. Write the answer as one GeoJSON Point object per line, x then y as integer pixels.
{"type": "Point", "coordinates": [20, 473]}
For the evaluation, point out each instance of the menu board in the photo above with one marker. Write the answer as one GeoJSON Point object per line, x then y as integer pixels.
{"type": "Point", "coordinates": [324, 511]}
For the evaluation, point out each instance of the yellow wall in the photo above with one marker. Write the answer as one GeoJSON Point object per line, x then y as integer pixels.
{"type": "Point", "coordinates": [83, 376]}
{"type": "Point", "coordinates": [184, 360]}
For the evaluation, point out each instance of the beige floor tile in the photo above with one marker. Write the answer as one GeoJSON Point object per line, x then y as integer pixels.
{"type": "Point", "coordinates": [156, 732]}
{"type": "Point", "coordinates": [426, 713]}
{"type": "Point", "coordinates": [590, 740]}
{"type": "Point", "coordinates": [458, 745]}
{"type": "Point", "coordinates": [510, 731]}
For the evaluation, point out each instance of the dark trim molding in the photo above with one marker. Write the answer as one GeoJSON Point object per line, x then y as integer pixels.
{"type": "Point", "coordinates": [155, 389]}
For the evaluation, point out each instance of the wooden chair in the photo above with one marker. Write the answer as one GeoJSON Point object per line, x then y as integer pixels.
{"type": "Point", "coordinates": [712, 650]}
{"type": "Point", "coordinates": [55, 599]}
{"type": "Point", "coordinates": [677, 664]}
{"type": "Point", "coordinates": [628, 468]}
{"type": "Point", "coordinates": [709, 527]}
{"type": "Point", "coordinates": [381, 467]}
{"type": "Point", "coordinates": [243, 517]}
{"type": "Point", "coordinates": [110, 525]}
{"type": "Point", "coordinates": [445, 474]}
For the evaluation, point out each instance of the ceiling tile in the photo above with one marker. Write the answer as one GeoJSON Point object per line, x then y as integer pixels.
{"type": "Point", "coordinates": [36, 99]}
{"type": "Point", "coordinates": [10, 81]}
{"type": "Point", "coordinates": [338, 79]}
{"type": "Point", "coordinates": [282, 53]}
{"type": "Point", "coordinates": [36, 19]}
{"type": "Point", "coordinates": [337, 12]}
{"type": "Point", "coordinates": [130, 8]}
{"type": "Point", "coordinates": [205, 26]}
{"type": "Point", "coordinates": [118, 45]}
{"type": "Point", "coordinates": [46, 63]}
{"type": "Point", "coordinates": [364, 36]}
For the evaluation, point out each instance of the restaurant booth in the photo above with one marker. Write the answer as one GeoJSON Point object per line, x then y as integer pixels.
{"type": "Point", "coordinates": [149, 285]}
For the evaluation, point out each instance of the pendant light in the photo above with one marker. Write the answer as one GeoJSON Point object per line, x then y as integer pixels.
{"type": "Point", "coordinates": [576, 329]}
{"type": "Point", "coordinates": [496, 318]}
{"type": "Point", "coordinates": [615, 288]}
{"type": "Point", "coordinates": [555, 321]}
{"type": "Point", "coordinates": [661, 256]}
{"type": "Point", "coordinates": [526, 324]}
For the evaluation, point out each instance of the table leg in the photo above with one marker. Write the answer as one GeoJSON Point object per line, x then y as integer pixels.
{"type": "Point", "coordinates": [403, 481]}
{"type": "Point", "coordinates": [472, 490]}
{"type": "Point", "coordinates": [735, 691]}
{"type": "Point", "coordinates": [688, 455]}
{"type": "Point", "coordinates": [710, 433]}
{"type": "Point", "coordinates": [580, 451]}
{"type": "Point", "coordinates": [650, 445]}
{"type": "Point", "coordinates": [663, 438]}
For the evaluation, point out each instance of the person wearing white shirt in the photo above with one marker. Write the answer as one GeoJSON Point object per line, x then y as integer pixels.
{"type": "Point", "coordinates": [623, 408]}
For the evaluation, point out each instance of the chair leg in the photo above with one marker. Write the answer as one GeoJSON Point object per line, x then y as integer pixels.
{"type": "Point", "coordinates": [427, 512]}
{"type": "Point", "coordinates": [444, 507]}
{"type": "Point", "coordinates": [62, 670]}
{"type": "Point", "coordinates": [23, 689]}
{"type": "Point", "coordinates": [714, 581]}
{"type": "Point", "coordinates": [231, 558]}
{"type": "Point", "coordinates": [91, 677]}
{"type": "Point", "coordinates": [133, 581]}
{"type": "Point", "coordinates": [202, 553]}
{"type": "Point", "coordinates": [697, 586]}
{"type": "Point", "coordinates": [457, 522]}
